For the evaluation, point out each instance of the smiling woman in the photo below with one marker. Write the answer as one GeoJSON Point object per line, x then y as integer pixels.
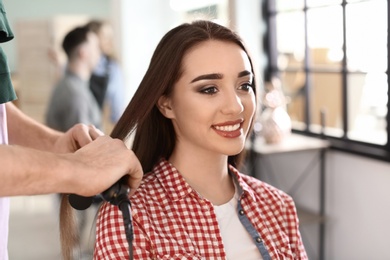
{"type": "Point", "coordinates": [226, 97]}
{"type": "Point", "coordinates": [190, 117]}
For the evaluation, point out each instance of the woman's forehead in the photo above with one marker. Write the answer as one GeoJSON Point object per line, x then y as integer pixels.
{"type": "Point", "coordinates": [215, 56]}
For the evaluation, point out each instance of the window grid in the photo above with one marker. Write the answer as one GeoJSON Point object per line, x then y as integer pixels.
{"type": "Point", "coordinates": [343, 143]}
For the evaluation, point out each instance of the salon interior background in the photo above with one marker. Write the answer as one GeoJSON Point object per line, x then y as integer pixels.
{"type": "Point", "coordinates": [357, 193]}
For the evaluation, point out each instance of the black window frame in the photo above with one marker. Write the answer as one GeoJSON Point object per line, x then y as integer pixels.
{"type": "Point", "coordinates": [370, 150]}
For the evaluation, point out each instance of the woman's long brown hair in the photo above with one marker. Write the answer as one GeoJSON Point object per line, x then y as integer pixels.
{"type": "Point", "coordinates": [155, 137]}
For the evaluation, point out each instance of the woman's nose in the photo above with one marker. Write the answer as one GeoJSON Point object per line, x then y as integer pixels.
{"type": "Point", "coordinates": [232, 104]}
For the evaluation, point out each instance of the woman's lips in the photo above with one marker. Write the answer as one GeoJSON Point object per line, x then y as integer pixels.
{"type": "Point", "coordinates": [230, 130]}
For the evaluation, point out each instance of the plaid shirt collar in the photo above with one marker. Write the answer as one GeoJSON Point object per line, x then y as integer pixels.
{"type": "Point", "coordinates": [177, 188]}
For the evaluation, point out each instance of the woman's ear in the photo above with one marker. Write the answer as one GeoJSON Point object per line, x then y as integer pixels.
{"type": "Point", "coordinates": [164, 105]}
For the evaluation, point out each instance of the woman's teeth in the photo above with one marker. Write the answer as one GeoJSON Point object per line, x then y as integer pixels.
{"type": "Point", "coordinates": [228, 128]}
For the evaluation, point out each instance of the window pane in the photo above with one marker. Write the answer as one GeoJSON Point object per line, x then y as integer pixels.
{"type": "Point", "coordinates": [290, 38]}
{"type": "Point", "coordinates": [326, 59]}
{"type": "Point", "coordinates": [367, 107]}
{"type": "Point", "coordinates": [283, 5]}
{"type": "Point", "coordinates": [326, 96]}
{"type": "Point", "coordinates": [367, 36]}
{"type": "Point", "coordinates": [351, 1]}
{"type": "Point", "coordinates": [292, 84]}
{"type": "Point", "coordinates": [325, 39]}
{"type": "Point", "coordinates": [312, 3]}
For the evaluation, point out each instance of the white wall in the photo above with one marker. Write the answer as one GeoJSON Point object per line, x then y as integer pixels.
{"type": "Point", "coordinates": [142, 25]}
{"type": "Point", "coordinates": [357, 201]}
{"type": "Point", "coordinates": [358, 206]}
{"type": "Point", "coordinates": [247, 22]}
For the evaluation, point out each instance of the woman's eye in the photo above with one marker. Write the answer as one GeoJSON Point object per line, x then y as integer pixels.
{"type": "Point", "coordinates": [246, 87]}
{"type": "Point", "coordinates": [209, 90]}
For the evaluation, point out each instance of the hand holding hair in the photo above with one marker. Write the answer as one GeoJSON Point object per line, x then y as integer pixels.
{"type": "Point", "coordinates": [76, 137]}
{"type": "Point", "coordinates": [103, 162]}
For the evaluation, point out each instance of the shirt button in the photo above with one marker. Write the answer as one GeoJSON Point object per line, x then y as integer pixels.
{"type": "Point", "coordinates": [258, 239]}
{"type": "Point", "coordinates": [241, 212]}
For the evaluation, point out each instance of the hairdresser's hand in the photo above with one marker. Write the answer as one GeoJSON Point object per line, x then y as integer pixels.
{"type": "Point", "coordinates": [76, 137]}
{"type": "Point", "coordinates": [101, 163]}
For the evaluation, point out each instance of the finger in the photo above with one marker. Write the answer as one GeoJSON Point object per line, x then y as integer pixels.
{"type": "Point", "coordinates": [94, 132]}
{"type": "Point", "coordinates": [134, 180]}
{"type": "Point", "coordinates": [80, 134]}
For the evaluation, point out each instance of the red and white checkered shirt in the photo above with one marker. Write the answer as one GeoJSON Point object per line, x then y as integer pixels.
{"type": "Point", "coordinates": [171, 221]}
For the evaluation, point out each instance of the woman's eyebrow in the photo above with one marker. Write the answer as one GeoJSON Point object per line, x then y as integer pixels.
{"type": "Point", "coordinates": [208, 76]}
{"type": "Point", "coordinates": [244, 73]}
{"type": "Point", "coordinates": [219, 76]}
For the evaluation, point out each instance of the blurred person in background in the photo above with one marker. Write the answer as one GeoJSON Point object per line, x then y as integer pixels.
{"type": "Point", "coordinates": [72, 101]}
{"type": "Point", "coordinates": [107, 81]}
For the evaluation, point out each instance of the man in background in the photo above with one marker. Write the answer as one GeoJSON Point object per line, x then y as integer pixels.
{"type": "Point", "coordinates": [72, 101]}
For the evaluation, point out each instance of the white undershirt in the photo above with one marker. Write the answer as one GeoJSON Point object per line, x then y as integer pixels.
{"type": "Point", "coordinates": [237, 241]}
